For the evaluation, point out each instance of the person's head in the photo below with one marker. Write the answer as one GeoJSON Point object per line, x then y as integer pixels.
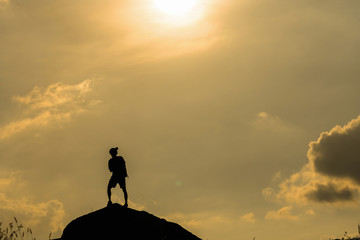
{"type": "Point", "coordinates": [113, 151]}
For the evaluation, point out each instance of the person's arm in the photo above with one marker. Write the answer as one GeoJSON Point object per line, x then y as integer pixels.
{"type": "Point", "coordinates": [110, 166]}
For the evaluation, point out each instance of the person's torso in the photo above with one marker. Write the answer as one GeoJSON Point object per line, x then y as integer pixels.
{"type": "Point", "coordinates": [118, 166]}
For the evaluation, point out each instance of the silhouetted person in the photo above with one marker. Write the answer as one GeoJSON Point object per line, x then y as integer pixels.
{"type": "Point", "coordinates": [118, 168]}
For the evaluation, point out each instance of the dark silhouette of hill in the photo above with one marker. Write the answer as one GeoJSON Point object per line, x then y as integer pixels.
{"type": "Point", "coordinates": [117, 222]}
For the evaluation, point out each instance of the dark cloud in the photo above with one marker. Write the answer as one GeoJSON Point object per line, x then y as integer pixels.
{"type": "Point", "coordinates": [329, 193]}
{"type": "Point", "coordinates": [331, 175]}
{"type": "Point", "coordinates": [337, 153]}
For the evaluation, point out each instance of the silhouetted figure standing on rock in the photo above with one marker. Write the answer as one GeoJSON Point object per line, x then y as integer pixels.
{"type": "Point", "coordinates": [118, 168]}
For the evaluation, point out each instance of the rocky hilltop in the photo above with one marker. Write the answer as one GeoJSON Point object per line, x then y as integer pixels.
{"type": "Point", "coordinates": [116, 222]}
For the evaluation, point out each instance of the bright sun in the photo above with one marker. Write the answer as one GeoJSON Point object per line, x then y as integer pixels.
{"type": "Point", "coordinates": [175, 7]}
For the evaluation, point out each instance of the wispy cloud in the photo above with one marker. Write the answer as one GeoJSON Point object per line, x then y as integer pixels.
{"type": "Point", "coordinates": [55, 103]}
{"type": "Point", "coordinates": [49, 212]}
{"type": "Point", "coordinates": [204, 223]}
{"type": "Point", "coordinates": [42, 119]}
{"type": "Point", "coordinates": [55, 95]}
{"type": "Point", "coordinates": [310, 212]}
{"type": "Point", "coordinates": [249, 217]}
{"type": "Point", "coordinates": [281, 214]}
{"type": "Point", "coordinates": [268, 122]}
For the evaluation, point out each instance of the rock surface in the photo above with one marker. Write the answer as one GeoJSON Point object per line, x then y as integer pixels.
{"type": "Point", "coordinates": [119, 223]}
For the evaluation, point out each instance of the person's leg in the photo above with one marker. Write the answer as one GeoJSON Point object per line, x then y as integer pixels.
{"type": "Point", "coordinates": [123, 186]}
{"type": "Point", "coordinates": [125, 196]}
{"type": "Point", "coordinates": [109, 192]}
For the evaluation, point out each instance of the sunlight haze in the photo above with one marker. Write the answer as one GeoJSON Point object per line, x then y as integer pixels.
{"type": "Point", "coordinates": [236, 119]}
{"type": "Point", "coordinates": [175, 7]}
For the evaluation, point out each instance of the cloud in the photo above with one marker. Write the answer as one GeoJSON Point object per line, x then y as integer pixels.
{"type": "Point", "coordinates": [249, 217]}
{"type": "Point", "coordinates": [268, 192]}
{"type": "Point", "coordinates": [330, 193]}
{"type": "Point", "coordinates": [202, 223]}
{"type": "Point", "coordinates": [51, 213]}
{"type": "Point", "coordinates": [198, 219]}
{"type": "Point", "coordinates": [281, 214]}
{"type": "Point", "coordinates": [42, 119]}
{"type": "Point", "coordinates": [55, 95]}
{"type": "Point", "coordinates": [206, 224]}
{"type": "Point", "coordinates": [330, 176]}
{"type": "Point", "coordinates": [336, 153]}
{"type": "Point", "coordinates": [56, 103]}
{"type": "Point", "coordinates": [310, 212]}
{"type": "Point", "coordinates": [267, 121]}
{"type": "Point", "coordinates": [308, 186]}
{"type": "Point", "coordinates": [9, 180]}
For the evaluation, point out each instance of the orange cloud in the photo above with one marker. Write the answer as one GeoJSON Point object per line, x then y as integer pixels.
{"type": "Point", "coordinates": [331, 175]}
{"type": "Point", "coordinates": [56, 103]}
{"type": "Point", "coordinates": [249, 217]}
{"type": "Point", "coordinates": [34, 213]}
{"type": "Point", "coordinates": [269, 122]}
{"type": "Point", "coordinates": [50, 212]}
{"type": "Point", "coordinates": [42, 119]}
{"type": "Point", "coordinates": [55, 95]}
{"type": "Point", "coordinates": [281, 214]}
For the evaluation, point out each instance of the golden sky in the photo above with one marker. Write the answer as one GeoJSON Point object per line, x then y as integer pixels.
{"type": "Point", "coordinates": [237, 119]}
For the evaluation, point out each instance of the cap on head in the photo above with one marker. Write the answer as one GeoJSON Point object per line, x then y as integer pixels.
{"type": "Point", "coordinates": [113, 151]}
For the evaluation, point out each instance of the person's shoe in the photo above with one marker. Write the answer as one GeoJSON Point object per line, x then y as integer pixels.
{"type": "Point", "coordinates": [125, 205]}
{"type": "Point", "coordinates": [109, 203]}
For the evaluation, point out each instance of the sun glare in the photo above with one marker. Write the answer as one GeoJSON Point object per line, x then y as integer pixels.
{"type": "Point", "coordinates": [175, 7]}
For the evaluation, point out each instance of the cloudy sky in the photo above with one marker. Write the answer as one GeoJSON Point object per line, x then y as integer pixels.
{"type": "Point", "coordinates": [237, 119]}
